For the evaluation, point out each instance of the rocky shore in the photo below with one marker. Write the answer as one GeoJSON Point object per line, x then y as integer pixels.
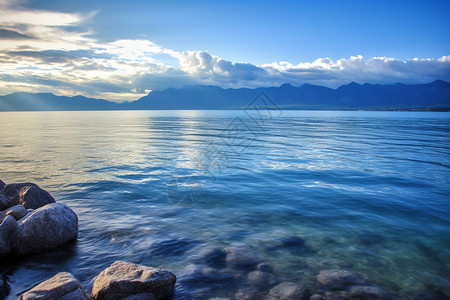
{"type": "Point", "coordinates": [31, 221]}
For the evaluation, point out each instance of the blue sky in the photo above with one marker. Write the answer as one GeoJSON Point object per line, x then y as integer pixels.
{"type": "Point", "coordinates": [121, 50]}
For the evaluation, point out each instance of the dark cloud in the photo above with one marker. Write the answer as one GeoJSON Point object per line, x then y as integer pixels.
{"type": "Point", "coordinates": [49, 56]}
{"type": "Point", "coordinates": [7, 34]}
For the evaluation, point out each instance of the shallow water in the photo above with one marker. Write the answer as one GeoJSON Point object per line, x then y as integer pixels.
{"type": "Point", "coordinates": [366, 191]}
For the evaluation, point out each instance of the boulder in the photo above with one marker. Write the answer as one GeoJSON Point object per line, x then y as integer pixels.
{"type": "Point", "coordinates": [62, 286]}
{"type": "Point", "coordinates": [288, 291]}
{"type": "Point", "coordinates": [339, 279]}
{"type": "Point", "coordinates": [368, 293]}
{"type": "Point", "coordinates": [123, 279]}
{"type": "Point", "coordinates": [3, 202]}
{"type": "Point", "coordinates": [4, 287]}
{"type": "Point", "coordinates": [246, 294]}
{"type": "Point", "coordinates": [28, 194]}
{"type": "Point", "coordinates": [316, 297]}
{"type": "Point", "coordinates": [213, 257]}
{"type": "Point", "coordinates": [2, 184]}
{"type": "Point", "coordinates": [51, 226]}
{"type": "Point", "coordinates": [17, 211]}
{"type": "Point", "coordinates": [259, 279]}
{"type": "Point", "coordinates": [34, 197]}
{"type": "Point", "coordinates": [7, 228]}
{"type": "Point", "coordinates": [241, 255]}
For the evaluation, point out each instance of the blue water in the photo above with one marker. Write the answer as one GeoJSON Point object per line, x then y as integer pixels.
{"type": "Point", "coordinates": [366, 191]}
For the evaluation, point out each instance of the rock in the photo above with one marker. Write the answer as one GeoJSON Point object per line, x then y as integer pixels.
{"type": "Point", "coordinates": [7, 228]}
{"type": "Point", "coordinates": [123, 279]}
{"type": "Point", "coordinates": [338, 279]}
{"type": "Point", "coordinates": [259, 279]}
{"type": "Point", "coordinates": [4, 287]}
{"type": "Point", "coordinates": [316, 297]}
{"type": "Point", "coordinates": [17, 211]}
{"type": "Point", "coordinates": [142, 296]}
{"type": "Point", "coordinates": [51, 226]}
{"type": "Point", "coordinates": [34, 197]}
{"type": "Point", "coordinates": [288, 291]}
{"type": "Point", "coordinates": [368, 293]}
{"type": "Point", "coordinates": [28, 194]}
{"type": "Point", "coordinates": [62, 286]}
{"type": "Point", "coordinates": [3, 202]}
{"type": "Point", "coordinates": [2, 216]}
{"type": "Point", "coordinates": [2, 184]}
{"type": "Point", "coordinates": [242, 255]}
{"type": "Point", "coordinates": [245, 294]}
{"type": "Point", "coordinates": [264, 267]}
{"type": "Point", "coordinates": [213, 257]}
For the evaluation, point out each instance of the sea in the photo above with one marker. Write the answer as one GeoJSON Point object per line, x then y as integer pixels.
{"type": "Point", "coordinates": [303, 191]}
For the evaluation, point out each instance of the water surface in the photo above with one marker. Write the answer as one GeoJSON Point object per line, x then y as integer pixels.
{"type": "Point", "coordinates": [366, 191]}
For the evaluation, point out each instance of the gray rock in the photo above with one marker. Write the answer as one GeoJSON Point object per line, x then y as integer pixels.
{"type": "Point", "coordinates": [2, 184]}
{"type": "Point", "coordinates": [240, 254]}
{"type": "Point", "coordinates": [3, 202]}
{"type": "Point", "coordinates": [2, 215]}
{"type": "Point", "coordinates": [7, 228]}
{"type": "Point", "coordinates": [368, 293]}
{"type": "Point", "coordinates": [213, 257]}
{"type": "Point", "coordinates": [316, 297]}
{"type": "Point", "coordinates": [62, 286]}
{"type": "Point", "coordinates": [141, 296]}
{"type": "Point", "coordinates": [123, 279]}
{"type": "Point", "coordinates": [34, 197]}
{"type": "Point", "coordinates": [259, 279]}
{"type": "Point", "coordinates": [17, 211]}
{"type": "Point", "coordinates": [246, 294]}
{"type": "Point", "coordinates": [51, 226]}
{"type": "Point", "coordinates": [338, 279]}
{"type": "Point", "coordinates": [265, 267]}
{"type": "Point", "coordinates": [4, 287]}
{"type": "Point", "coordinates": [28, 194]}
{"type": "Point", "coordinates": [288, 291]}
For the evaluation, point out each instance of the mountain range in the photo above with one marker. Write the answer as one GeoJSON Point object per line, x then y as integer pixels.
{"type": "Point", "coordinates": [431, 96]}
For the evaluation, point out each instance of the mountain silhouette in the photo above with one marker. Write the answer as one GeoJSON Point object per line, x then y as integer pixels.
{"type": "Point", "coordinates": [353, 96]}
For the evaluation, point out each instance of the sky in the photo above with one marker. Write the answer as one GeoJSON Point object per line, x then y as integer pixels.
{"type": "Point", "coordinates": [122, 50]}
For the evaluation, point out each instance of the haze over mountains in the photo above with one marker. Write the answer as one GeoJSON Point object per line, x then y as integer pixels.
{"type": "Point", "coordinates": [435, 95]}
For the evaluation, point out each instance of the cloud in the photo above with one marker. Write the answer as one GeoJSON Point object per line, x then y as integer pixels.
{"type": "Point", "coordinates": [48, 51]}
{"type": "Point", "coordinates": [6, 34]}
{"type": "Point", "coordinates": [373, 70]}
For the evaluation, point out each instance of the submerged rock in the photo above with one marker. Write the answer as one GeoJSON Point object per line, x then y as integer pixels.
{"type": "Point", "coordinates": [28, 194]}
{"type": "Point", "coordinates": [213, 257]}
{"type": "Point", "coordinates": [123, 279]}
{"type": "Point", "coordinates": [288, 291]}
{"type": "Point", "coordinates": [246, 294]}
{"type": "Point", "coordinates": [242, 255]}
{"type": "Point", "coordinates": [259, 279]}
{"type": "Point", "coordinates": [338, 279]}
{"type": "Point", "coordinates": [17, 211]}
{"type": "Point", "coordinates": [48, 227]}
{"type": "Point", "coordinates": [7, 227]}
{"type": "Point", "coordinates": [368, 293]}
{"type": "Point", "coordinates": [61, 286]}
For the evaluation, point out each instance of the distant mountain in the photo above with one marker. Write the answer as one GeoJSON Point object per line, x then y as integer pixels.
{"type": "Point", "coordinates": [435, 95]}
{"type": "Point", "coordinates": [351, 96]}
{"type": "Point", "coordinates": [47, 102]}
